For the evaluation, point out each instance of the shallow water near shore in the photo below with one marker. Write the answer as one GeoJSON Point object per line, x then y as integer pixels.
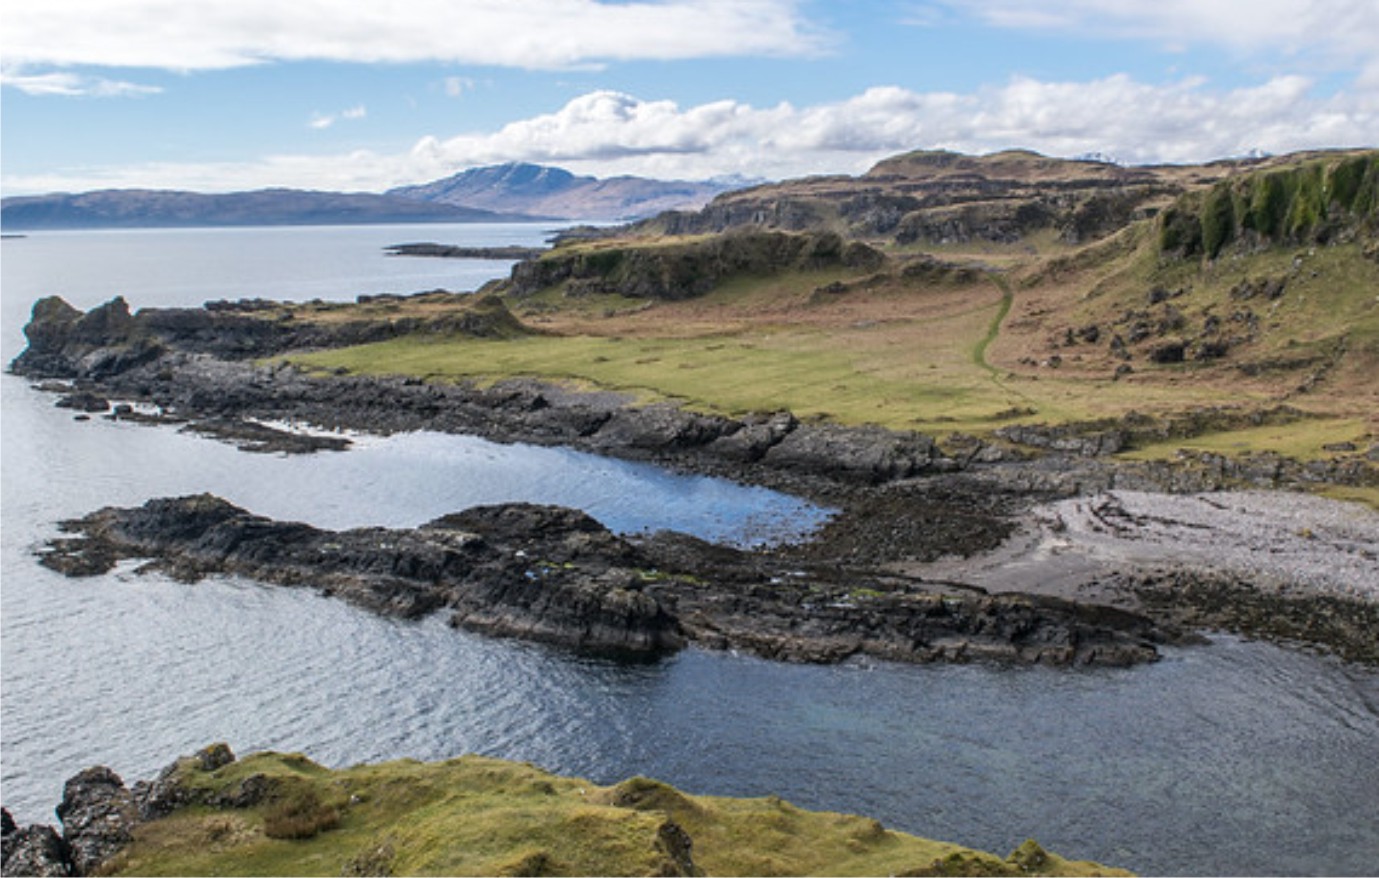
{"type": "Point", "coordinates": [1236, 757]}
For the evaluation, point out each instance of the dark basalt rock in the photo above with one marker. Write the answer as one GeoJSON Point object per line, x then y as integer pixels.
{"type": "Point", "coordinates": [870, 455]}
{"type": "Point", "coordinates": [34, 850]}
{"type": "Point", "coordinates": [84, 401]}
{"type": "Point", "coordinates": [261, 438]}
{"type": "Point", "coordinates": [573, 587]}
{"type": "Point", "coordinates": [98, 817]}
{"type": "Point", "coordinates": [543, 573]}
{"type": "Point", "coordinates": [556, 575]}
{"type": "Point", "coordinates": [108, 340]}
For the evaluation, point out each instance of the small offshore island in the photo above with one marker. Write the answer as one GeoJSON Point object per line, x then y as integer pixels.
{"type": "Point", "coordinates": [1067, 413]}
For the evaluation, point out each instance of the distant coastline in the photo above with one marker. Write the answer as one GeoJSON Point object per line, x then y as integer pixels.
{"type": "Point", "coordinates": [451, 251]}
{"type": "Point", "coordinates": [137, 209]}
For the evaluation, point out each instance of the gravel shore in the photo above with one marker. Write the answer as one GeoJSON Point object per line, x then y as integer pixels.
{"type": "Point", "coordinates": [1282, 542]}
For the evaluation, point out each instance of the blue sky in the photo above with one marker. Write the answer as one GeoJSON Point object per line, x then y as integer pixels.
{"type": "Point", "coordinates": [218, 95]}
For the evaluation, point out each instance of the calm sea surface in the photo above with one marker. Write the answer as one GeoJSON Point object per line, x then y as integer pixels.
{"type": "Point", "coordinates": [1230, 758]}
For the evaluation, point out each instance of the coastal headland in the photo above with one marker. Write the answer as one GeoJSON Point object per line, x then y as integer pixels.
{"type": "Point", "coordinates": [282, 814]}
{"type": "Point", "coordinates": [899, 387]}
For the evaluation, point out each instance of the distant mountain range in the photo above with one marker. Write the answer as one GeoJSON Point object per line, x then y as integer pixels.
{"type": "Point", "coordinates": [145, 208]}
{"type": "Point", "coordinates": [547, 191]}
{"type": "Point", "coordinates": [501, 193]}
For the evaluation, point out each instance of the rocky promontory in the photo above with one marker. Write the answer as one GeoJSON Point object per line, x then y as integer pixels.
{"type": "Point", "coordinates": [556, 575]}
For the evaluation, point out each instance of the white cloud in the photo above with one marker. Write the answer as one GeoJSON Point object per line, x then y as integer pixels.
{"type": "Point", "coordinates": [321, 121]}
{"type": "Point", "coordinates": [606, 133]}
{"type": "Point", "coordinates": [609, 132]}
{"type": "Point", "coordinates": [68, 84]}
{"type": "Point", "coordinates": [532, 34]}
{"type": "Point", "coordinates": [1348, 30]}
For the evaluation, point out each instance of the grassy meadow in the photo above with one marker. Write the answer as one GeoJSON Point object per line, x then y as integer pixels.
{"type": "Point", "coordinates": [480, 816]}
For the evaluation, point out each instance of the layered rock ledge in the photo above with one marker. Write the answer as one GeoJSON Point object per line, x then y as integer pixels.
{"type": "Point", "coordinates": [555, 575]}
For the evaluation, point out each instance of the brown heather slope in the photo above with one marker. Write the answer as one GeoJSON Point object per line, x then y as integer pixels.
{"type": "Point", "coordinates": [1020, 287]}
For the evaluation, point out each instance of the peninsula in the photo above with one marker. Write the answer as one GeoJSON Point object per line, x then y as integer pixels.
{"type": "Point", "coordinates": [1018, 379]}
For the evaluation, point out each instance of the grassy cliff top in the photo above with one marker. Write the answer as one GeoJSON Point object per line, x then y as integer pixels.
{"type": "Point", "coordinates": [479, 816]}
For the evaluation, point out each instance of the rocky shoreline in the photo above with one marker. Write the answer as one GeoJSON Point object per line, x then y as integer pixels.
{"type": "Point", "coordinates": [555, 575]}
{"type": "Point", "coordinates": [904, 500]}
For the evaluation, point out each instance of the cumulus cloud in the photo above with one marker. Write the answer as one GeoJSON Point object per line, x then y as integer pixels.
{"type": "Point", "coordinates": [1180, 122]}
{"type": "Point", "coordinates": [608, 132]}
{"type": "Point", "coordinates": [67, 84]}
{"type": "Point", "coordinates": [532, 34]}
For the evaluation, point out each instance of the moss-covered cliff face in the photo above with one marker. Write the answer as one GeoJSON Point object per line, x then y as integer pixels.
{"type": "Point", "coordinates": [1319, 202]}
{"type": "Point", "coordinates": [281, 814]}
{"type": "Point", "coordinates": [683, 268]}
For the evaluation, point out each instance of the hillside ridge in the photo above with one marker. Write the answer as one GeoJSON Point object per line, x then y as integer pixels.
{"type": "Point", "coordinates": [556, 192]}
{"type": "Point", "coordinates": [165, 208]}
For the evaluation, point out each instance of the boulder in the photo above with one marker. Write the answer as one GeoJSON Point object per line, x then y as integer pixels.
{"type": "Point", "coordinates": [756, 436]}
{"type": "Point", "coordinates": [34, 850]}
{"type": "Point", "coordinates": [658, 427]}
{"type": "Point", "coordinates": [84, 401]}
{"type": "Point", "coordinates": [869, 455]}
{"type": "Point", "coordinates": [98, 817]}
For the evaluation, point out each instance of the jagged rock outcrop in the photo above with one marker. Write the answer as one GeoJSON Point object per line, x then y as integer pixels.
{"type": "Point", "coordinates": [169, 791]}
{"type": "Point", "coordinates": [108, 340]}
{"type": "Point", "coordinates": [556, 575]}
{"type": "Point", "coordinates": [190, 376]}
{"type": "Point", "coordinates": [867, 454]}
{"type": "Point", "coordinates": [34, 850]}
{"type": "Point", "coordinates": [542, 573]}
{"type": "Point", "coordinates": [98, 817]}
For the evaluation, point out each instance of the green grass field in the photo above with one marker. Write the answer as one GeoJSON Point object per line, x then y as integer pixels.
{"type": "Point", "coordinates": [479, 816]}
{"type": "Point", "coordinates": [939, 355]}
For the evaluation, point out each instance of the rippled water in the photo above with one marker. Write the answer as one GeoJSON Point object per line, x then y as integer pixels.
{"type": "Point", "coordinates": [1231, 758]}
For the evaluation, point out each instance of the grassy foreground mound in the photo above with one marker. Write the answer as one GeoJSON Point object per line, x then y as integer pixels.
{"type": "Point", "coordinates": [281, 814]}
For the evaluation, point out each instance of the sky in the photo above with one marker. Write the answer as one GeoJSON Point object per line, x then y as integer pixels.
{"type": "Point", "coordinates": [363, 95]}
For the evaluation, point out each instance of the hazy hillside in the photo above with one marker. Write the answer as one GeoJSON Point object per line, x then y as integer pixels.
{"type": "Point", "coordinates": [554, 192]}
{"type": "Point", "coordinates": [936, 198]}
{"type": "Point", "coordinates": [144, 208]}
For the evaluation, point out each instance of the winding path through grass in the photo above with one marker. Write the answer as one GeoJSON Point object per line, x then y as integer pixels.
{"type": "Point", "coordinates": [979, 350]}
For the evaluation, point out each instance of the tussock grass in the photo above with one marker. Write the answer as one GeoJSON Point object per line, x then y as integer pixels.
{"type": "Point", "coordinates": [478, 816]}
